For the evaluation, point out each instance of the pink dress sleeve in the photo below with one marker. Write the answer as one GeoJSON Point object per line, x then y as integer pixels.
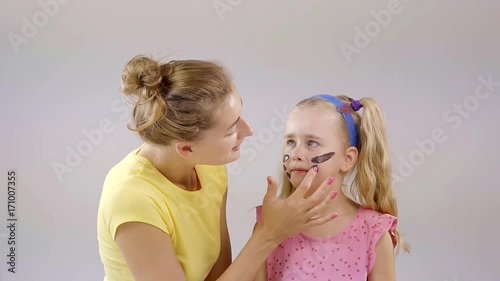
{"type": "Point", "coordinates": [383, 223]}
{"type": "Point", "coordinates": [258, 211]}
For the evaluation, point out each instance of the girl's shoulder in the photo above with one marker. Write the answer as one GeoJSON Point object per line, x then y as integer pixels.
{"type": "Point", "coordinates": [376, 223]}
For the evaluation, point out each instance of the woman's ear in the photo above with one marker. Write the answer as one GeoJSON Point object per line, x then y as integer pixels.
{"type": "Point", "coordinates": [351, 156]}
{"type": "Point", "coordinates": [184, 149]}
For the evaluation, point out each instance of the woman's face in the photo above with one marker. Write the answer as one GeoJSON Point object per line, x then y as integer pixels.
{"type": "Point", "coordinates": [221, 144]}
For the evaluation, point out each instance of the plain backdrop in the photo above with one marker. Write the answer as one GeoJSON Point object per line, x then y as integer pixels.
{"type": "Point", "coordinates": [427, 63]}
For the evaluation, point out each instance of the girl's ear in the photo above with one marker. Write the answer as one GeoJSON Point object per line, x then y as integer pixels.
{"type": "Point", "coordinates": [351, 156]}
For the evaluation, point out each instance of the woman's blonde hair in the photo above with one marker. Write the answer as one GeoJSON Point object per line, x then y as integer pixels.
{"type": "Point", "coordinates": [174, 100]}
{"type": "Point", "coordinates": [372, 183]}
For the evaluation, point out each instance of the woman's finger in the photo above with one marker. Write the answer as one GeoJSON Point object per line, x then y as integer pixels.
{"type": "Point", "coordinates": [316, 221]}
{"type": "Point", "coordinates": [324, 191]}
{"type": "Point", "coordinates": [304, 186]}
{"type": "Point", "coordinates": [272, 188]}
{"type": "Point", "coordinates": [321, 206]}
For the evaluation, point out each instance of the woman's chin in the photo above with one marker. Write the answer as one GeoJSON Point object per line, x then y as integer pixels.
{"type": "Point", "coordinates": [233, 156]}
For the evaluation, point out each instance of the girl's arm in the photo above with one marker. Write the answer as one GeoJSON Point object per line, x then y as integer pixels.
{"type": "Point", "coordinates": [383, 268]}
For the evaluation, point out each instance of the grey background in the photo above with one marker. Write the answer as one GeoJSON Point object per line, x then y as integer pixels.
{"type": "Point", "coordinates": [64, 79]}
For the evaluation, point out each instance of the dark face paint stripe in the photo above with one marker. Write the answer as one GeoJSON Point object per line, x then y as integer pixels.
{"type": "Point", "coordinates": [286, 157]}
{"type": "Point", "coordinates": [322, 158]}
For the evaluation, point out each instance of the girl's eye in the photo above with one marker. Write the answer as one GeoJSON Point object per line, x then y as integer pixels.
{"type": "Point", "coordinates": [312, 143]}
{"type": "Point", "coordinates": [290, 142]}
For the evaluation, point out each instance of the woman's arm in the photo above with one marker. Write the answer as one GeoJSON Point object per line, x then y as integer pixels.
{"type": "Point", "coordinates": [225, 256]}
{"type": "Point", "coordinates": [280, 219]}
{"type": "Point", "coordinates": [148, 252]}
{"type": "Point", "coordinates": [154, 258]}
{"type": "Point", "coordinates": [383, 268]}
{"type": "Point", "coordinates": [262, 273]}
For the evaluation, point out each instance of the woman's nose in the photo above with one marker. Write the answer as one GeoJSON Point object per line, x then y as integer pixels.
{"type": "Point", "coordinates": [246, 129]}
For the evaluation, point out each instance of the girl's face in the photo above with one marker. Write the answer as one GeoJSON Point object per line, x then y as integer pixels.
{"type": "Point", "coordinates": [221, 144]}
{"type": "Point", "coordinates": [312, 138]}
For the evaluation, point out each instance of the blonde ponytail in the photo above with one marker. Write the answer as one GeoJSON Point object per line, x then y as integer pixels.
{"type": "Point", "coordinates": [373, 179]}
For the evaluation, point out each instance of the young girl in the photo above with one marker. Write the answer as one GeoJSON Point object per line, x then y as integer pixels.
{"type": "Point", "coordinates": [327, 133]}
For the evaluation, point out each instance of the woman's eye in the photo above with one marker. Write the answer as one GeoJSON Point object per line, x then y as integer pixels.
{"type": "Point", "coordinates": [232, 133]}
{"type": "Point", "coordinates": [290, 142]}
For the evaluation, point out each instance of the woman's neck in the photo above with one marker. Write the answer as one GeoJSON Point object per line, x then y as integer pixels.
{"type": "Point", "coordinates": [172, 166]}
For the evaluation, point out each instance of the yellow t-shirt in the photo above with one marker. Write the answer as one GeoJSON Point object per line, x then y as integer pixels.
{"type": "Point", "coordinates": [134, 190]}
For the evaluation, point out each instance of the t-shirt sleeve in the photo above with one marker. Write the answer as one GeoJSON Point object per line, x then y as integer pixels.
{"type": "Point", "coordinates": [135, 200]}
{"type": "Point", "coordinates": [382, 223]}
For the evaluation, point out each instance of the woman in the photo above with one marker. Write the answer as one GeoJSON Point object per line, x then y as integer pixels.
{"type": "Point", "coordinates": [162, 214]}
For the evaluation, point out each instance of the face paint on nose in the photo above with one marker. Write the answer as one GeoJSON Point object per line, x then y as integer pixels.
{"type": "Point", "coordinates": [285, 158]}
{"type": "Point", "coordinates": [322, 158]}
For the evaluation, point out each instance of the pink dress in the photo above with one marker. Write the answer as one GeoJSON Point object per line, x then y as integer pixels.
{"type": "Point", "coordinates": [347, 255]}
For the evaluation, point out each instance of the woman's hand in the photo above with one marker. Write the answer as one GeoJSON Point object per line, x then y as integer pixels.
{"type": "Point", "coordinates": [281, 219]}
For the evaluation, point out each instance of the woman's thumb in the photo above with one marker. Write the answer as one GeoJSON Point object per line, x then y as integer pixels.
{"type": "Point", "coordinates": [272, 186]}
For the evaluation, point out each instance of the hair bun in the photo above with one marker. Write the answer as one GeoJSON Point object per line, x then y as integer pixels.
{"type": "Point", "coordinates": [142, 76]}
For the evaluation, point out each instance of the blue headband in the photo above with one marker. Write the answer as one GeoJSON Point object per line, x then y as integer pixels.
{"type": "Point", "coordinates": [344, 109]}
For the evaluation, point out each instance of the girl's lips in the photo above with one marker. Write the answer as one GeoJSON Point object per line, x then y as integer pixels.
{"type": "Point", "coordinates": [299, 171]}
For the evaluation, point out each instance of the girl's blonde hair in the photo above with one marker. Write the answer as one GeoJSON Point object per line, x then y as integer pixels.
{"type": "Point", "coordinates": [174, 100]}
{"type": "Point", "coordinates": [372, 184]}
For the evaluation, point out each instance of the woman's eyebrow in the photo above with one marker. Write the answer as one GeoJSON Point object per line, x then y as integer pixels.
{"type": "Point", "coordinates": [236, 119]}
{"type": "Point", "coordinates": [232, 125]}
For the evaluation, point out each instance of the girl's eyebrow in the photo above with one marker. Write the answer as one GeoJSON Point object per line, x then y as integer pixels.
{"type": "Point", "coordinates": [307, 136]}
